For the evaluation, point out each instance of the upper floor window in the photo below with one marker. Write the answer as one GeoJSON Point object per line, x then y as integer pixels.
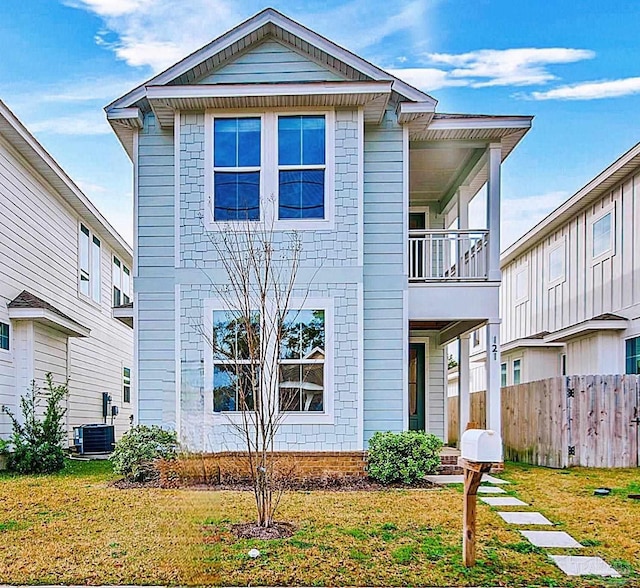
{"type": "Point", "coordinates": [4, 336]}
{"type": "Point", "coordinates": [301, 167]}
{"type": "Point", "coordinates": [121, 283]}
{"type": "Point", "coordinates": [237, 148]}
{"type": "Point", "coordinates": [602, 233]}
{"type": "Point", "coordinates": [126, 384]}
{"type": "Point", "coordinates": [556, 264]}
{"type": "Point", "coordinates": [632, 363]}
{"type": "Point", "coordinates": [89, 264]}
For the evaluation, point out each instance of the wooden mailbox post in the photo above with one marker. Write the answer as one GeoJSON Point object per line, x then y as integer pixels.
{"type": "Point", "coordinates": [480, 450]}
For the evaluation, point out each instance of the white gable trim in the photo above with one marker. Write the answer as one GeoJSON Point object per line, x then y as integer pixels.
{"type": "Point", "coordinates": [271, 16]}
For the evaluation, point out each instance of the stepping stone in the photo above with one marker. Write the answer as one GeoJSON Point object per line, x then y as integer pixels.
{"type": "Point", "coordinates": [574, 565]}
{"type": "Point", "coordinates": [459, 479]}
{"type": "Point", "coordinates": [551, 539]}
{"type": "Point", "coordinates": [502, 501]}
{"type": "Point", "coordinates": [490, 490]}
{"type": "Point", "coordinates": [525, 518]}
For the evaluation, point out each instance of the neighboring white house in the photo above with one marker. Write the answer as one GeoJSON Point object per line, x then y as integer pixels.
{"type": "Point", "coordinates": [380, 179]}
{"type": "Point", "coordinates": [62, 268]}
{"type": "Point", "coordinates": [570, 296]}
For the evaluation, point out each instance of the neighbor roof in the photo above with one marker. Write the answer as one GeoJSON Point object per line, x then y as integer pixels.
{"type": "Point", "coordinates": [17, 135]}
{"type": "Point", "coordinates": [596, 188]}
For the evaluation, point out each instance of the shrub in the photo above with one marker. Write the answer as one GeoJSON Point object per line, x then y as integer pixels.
{"type": "Point", "coordinates": [134, 455]}
{"type": "Point", "coordinates": [403, 457]}
{"type": "Point", "coordinates": [37, 441]}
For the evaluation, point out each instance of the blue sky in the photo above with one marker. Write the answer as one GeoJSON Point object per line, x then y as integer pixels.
{"type": "Point", "coordinates": [571, 63]}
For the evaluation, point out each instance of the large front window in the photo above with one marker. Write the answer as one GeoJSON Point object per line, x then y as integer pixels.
{"type": "Point", "coordinates": [302, 358]}
{"type": "Point", "coordinates": [236, 172]}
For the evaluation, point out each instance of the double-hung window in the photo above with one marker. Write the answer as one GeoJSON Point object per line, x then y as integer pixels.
{"type": "Point", "coordinates": [632, 356]}
{"type": "Point", "coordinates": [126, 384]}
{"type": "Point", "coordinates": [121, 283]}
{"type": "Point", "coordinates": [302, 361]}
{"type": "Point", "coordinates": [301, 167]}
{"type": "Point", "coordinates": [237, 155]}
{"type": "Point", "coordinates": [517, 371]}
{"type": "Point", "coordinates": [4, 337]}
{"type": "Point", "coordinates": [601, 232]}
{"type": "Point", "coordinates": [89, 274]}
{"type": "Point", "coordinates": [236, 344]}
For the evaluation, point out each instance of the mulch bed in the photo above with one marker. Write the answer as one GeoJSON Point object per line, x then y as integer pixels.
{"type": "Point", "coordinates": [253, 531]}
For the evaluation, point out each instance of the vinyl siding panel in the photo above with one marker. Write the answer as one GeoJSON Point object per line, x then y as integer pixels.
{"type": "Point", "coordinates": [270, 62]}
{"type": "Point", "coordinates": [384, 281]}
{"type": "Point", "coordinates": [39, 253]}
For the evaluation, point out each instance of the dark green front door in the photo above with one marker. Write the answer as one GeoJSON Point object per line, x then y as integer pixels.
{"type": "Point", "coordinates": [416, 387]}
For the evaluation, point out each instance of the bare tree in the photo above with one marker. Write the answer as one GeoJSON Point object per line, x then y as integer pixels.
{"type": "Point", "coordinates": [260, 269]}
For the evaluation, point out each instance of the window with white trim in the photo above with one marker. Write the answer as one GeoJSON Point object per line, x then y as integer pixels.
{"type": "Point", "coordinates": [89, 270]}
{"type": "Point", "coordinates": [556, 264]}
{"type": "Point", "coordinates": [121, 276]}
{"type": "Point", "coordinates": [602, 235]}
{"type": "Point", "coordinates": [126, 385]}
{"type": "Point", "coordinates": [503, 375]}
{"type": "Point", "coordinates": [302, 361]}
{"type": "Point", "coordinates": [517, 371]}
{"type": "Point", "coordinates": [4, 337]}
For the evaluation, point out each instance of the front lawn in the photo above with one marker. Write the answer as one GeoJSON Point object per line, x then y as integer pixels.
{"type": "Point", "coordinates": [74, 528]}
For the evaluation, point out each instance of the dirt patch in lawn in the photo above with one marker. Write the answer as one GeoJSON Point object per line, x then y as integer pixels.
{"type": "Point", "coordinates": [253, 531]}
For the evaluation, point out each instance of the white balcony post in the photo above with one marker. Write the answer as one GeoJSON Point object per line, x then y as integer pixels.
{"type": "Point", "coordinates": [494, 404]}
{"type": "Point", "coordinates": [463, 209]}
{"type": "Point", "coordinates": [493, 211]}
{"type": "Point", "coordinates": [464, 400]}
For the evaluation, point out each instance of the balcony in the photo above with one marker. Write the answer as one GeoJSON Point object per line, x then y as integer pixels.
{"type": "Point", "coordinates": [448, 256]}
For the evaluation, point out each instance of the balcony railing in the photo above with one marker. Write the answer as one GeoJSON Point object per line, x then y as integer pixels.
{"type": "Point", "coordinates": [442, 255]}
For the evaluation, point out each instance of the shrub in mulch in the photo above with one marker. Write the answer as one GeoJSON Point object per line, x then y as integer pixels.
{"type": "Point", "coordinates": [253, 531]}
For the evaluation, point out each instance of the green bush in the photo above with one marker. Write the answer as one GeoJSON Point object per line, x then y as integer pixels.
{"type": "Point", "coordinates": [403, 457]}
{"type": "Point", "coordinates": [37, 440]}
{"type": "Point", "coordinates": [134, 455]}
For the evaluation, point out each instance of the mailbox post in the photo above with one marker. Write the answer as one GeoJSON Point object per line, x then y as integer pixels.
{"type": "Point", "coordinates": [480, 449]}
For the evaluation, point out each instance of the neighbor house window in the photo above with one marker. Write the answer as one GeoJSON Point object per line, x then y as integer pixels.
{"type": "Point", "coordinates": [556, 264]}
{"type": "Point", "coordinates": [563, 364]}
{"type": "Point", "coordinates": [601, 234]}
{"type": "Point", "coordinates": [632, 356]}
{"type": "Point", "coordinates": [236, 342]}
{"type": "Point", "coordinates": [301, 167]}
{"type": "Point", "coordinates": [302, 361]}
{"type": "Point", "coordinates": [476, 338]}
{"type": "Point", "coordinates": [4, 336]}
{"type": "Point", "coordinates": [121, 283]}
{"type": "Point", "coordinates": [126, 384]}
{"type": "Point", "coordinates": [517, 371]}
{"type": "Point", "coordinates": [89, 264]}
{"type": "Point", "coordinates": [503, 375]}
{"type": "Point", "coordinates": [237, 149]}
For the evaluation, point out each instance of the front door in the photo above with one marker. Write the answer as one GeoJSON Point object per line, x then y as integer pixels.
{"type": "Point", "coordinates": [416, 387]}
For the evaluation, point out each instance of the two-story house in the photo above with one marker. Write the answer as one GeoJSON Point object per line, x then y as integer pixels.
{"type": "Point", "coordinates": [62, 269]}
{"type": "Point", "coordinates": [273, 120]}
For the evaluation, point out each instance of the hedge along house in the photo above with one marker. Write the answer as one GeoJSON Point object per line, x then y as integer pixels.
{"type": "Point", "coordinates": [273, 119]}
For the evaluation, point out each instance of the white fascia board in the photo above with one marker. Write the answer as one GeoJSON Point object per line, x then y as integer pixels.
{"type": "Point", "coordinates": [498, 122]}
{"type": "Point", "coordinates": [132, 116]}
{"type": "Point", "coordinates": [587, 327]}
{"type": "Point", "coordinates": [627, 163]}
{"type": "Point", "coordinates": [251, 90]}
{"type": "Point", "coordinates": [28, 146]}
{"type": "Point", "coordinates": [268, 16]}
{"type": "Point", "coordinates": [527, 343]}
{"type": "Point", "coordinates": [52, 319]}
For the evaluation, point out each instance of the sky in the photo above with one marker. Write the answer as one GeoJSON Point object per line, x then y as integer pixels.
{"type": "Point", "coordinates": [573, 64]}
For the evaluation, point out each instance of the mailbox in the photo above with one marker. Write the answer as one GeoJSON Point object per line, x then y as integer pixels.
{"type": "Point", "coordinates": [481, 445]}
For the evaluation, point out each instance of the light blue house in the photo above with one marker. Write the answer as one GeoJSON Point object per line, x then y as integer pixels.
{"type": "Point", "coordinates": [273, 119]}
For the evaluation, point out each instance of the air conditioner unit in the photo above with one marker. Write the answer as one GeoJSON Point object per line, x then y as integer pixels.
{"type": "Point", "coordinates": [94, 438]}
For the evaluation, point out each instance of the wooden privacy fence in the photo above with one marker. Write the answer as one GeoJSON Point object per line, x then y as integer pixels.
{"type": "Point", "coordinates": [591, 421]}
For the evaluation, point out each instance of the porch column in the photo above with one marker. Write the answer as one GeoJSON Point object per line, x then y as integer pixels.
{"type": "Point", "coordinates": [463, 209]}
{"type": "Point", "coordinates": [493, 210]}
{"type": "Point", "coordinates": [464, 402]}
{"type": "Point", "coordinates": [494, 405]}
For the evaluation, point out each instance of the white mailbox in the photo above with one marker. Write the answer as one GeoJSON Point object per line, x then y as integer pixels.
{"type": "Point", "coordinates": [481, 445]}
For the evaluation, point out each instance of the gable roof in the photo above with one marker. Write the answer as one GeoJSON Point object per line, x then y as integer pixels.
{"type": "Point", "coordinates": [605, 181]}
{"type": "Point", "coordinates": [270, 22]}
{"type": "Point", "coordinates": [22, 141]}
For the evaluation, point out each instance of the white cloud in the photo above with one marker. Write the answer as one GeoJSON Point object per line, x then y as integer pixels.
{"type": "Point", "coordinates": [507, 67]}
{"type": "Point", "coordinates": [91, 122]}
{"type": "Point", "coordinates": [521, 214]}
{"type": "Point", "coordinates": [591, 90]}
{"type": "Point", "coordinates": [426, 78]}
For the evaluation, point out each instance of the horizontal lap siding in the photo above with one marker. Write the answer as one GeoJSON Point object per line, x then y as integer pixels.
{"type": "Point", "coordinates": [156, 297]}
{"type": "Point", "coordinates": [270, 62]}
{"type": "Point", "coordinates": [39, 253]}
{"type": "Point", "coordinates": [384, 281]}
